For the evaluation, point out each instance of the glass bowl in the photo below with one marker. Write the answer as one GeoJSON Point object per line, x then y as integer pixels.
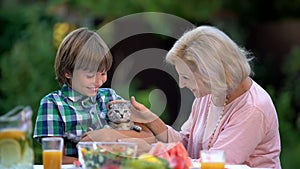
{"type": "Point", "coordinates": [94, 155]}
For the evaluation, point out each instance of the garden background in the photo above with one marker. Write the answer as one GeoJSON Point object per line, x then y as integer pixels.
{"type": "Point", "coordinates": [32, 30]}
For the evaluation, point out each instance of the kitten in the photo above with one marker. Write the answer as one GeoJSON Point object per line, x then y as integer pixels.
{"type": "Point", "coordinates": [118, 117]}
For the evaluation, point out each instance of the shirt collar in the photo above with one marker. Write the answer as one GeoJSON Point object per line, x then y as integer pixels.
{"type": "Point", "coordinates": [74, 95]}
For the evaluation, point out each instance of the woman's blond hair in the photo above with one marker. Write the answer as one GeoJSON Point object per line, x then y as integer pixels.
{"type": "Point", "coordinates": [210, 53]}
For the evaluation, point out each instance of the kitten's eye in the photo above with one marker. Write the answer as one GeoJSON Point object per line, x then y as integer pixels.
{"type": "Point", "coordinates": [117, 111]}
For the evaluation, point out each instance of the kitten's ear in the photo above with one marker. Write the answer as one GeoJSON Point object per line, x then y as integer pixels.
{"type": "Point", "coordinates": [128, 103]}
{"type": "Point", "coordinates": [109, 105]}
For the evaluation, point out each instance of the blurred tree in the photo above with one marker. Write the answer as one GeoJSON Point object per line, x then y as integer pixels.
{"type": "Point", "coordinates": [27, 69]}
{"type": "Point", "coordinates": [288, 106]}
{"type": "Point", "coordinates": [26, 64]}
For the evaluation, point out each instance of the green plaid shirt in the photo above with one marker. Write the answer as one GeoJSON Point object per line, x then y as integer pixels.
{"type": "Point", "coordinates": [66, 113]}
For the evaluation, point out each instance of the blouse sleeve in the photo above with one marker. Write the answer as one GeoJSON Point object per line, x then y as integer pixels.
{"type": "Point", "coordinates": [184, 134]}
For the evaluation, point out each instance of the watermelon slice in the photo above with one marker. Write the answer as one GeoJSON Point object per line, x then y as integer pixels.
{"type": "Point", "coordinates": [175, 153]}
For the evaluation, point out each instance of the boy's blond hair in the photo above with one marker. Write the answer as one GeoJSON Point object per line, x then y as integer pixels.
{"type": "Point", "coordinates": [81, 49]}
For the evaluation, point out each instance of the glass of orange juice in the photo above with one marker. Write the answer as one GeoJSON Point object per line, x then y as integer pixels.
{"type": "Point", "coordinates": [212, 159]}
{"type": "Point", "coordinates": [52, 152]}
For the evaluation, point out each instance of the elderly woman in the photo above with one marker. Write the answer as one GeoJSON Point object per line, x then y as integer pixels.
{"type": "Point", "coordinates": [231, 112]}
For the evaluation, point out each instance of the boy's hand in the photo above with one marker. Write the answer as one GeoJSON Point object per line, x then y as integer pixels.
{"type": "Point", "coordinates": [113, 102]}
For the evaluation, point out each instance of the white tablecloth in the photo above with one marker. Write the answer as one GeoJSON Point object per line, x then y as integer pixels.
{"type": "Point", "coordinates": [197, 166]}
{"type": "Point", "coordinates": [71, 166]}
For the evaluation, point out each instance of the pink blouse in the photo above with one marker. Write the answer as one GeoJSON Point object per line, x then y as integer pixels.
{"type": "Point", "coordinates": [248, 131]}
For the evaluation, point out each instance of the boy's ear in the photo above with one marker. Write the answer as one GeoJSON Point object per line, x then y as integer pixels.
{"type": "Point", "coordinates": [68, 75]}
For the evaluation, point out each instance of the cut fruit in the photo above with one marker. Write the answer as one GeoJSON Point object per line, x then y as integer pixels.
{"type": "Point", "coordinates": [12, 134]}
{"type": "Point", "coordinates": [149, 158]}
{"type": "Point", "coordinates": [10, 152]}
{"type": "Point", "coordinates": [27, 155]}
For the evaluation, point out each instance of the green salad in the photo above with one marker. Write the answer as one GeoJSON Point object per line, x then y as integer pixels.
{"type": "Point", "coordinates": [103, 156]}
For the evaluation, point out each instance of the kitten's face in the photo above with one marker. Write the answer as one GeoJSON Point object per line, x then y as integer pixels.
{"type": "Point", "coordinates": [119, 112]}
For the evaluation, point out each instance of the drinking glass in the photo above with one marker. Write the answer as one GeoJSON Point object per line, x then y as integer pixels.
{"type": "Point", "coordinates": [52, 152]}
{"type": "Point", "coordinates": [212, 159]}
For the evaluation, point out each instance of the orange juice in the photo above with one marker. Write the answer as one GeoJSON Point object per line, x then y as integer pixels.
{"type": "Point", "coordinates": [212, 165]}
{"type": "Point", "coordinates": [52, 159]}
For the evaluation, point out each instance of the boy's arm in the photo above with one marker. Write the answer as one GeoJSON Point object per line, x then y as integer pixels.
{"type": "Point", "coordinates": [145, 137]}
{"type": "Point", "coordinates": [68, 160]}
{"type": "Point", "coordinates": [108, 135]}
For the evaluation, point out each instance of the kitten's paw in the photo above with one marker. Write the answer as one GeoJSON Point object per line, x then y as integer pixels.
{"type": "Point", "coordinates": [137, 128]}
{"type": "Point", "coordinates": [107, 126]}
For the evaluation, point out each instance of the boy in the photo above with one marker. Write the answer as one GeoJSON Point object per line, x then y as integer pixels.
{"type": "Point", "coordinates": [81, 64]}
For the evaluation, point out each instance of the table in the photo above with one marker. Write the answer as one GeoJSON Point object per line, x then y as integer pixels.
{"type": "Point", "coordinates": [69, 166]}
{"type": "Point", "coordinates": [227, 166]}
{"type": "Point", "coordinates": [195, 164]}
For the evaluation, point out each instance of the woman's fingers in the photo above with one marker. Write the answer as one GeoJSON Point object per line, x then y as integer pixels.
{"type": "Point", "coordinates": [138, 106]}
{"type": "Point", "coordinates": [140, 113]}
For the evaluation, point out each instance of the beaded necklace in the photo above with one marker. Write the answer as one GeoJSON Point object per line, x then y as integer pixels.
{"type": "Point", "coordinates": [219, 120]}
{"type": "Point", "coordinates": [241, 89]}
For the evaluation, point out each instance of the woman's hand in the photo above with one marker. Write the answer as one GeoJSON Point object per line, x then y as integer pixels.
{"type": "Point", "coordinates": [143, 115]}
{"type": "Point", "coordinates": [140, 113]}
{"type": "Point", "coordinates": [138, 106]}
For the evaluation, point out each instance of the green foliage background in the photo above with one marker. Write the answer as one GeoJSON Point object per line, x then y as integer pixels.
{"type": "Point", "coordinates": [27, 49]}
